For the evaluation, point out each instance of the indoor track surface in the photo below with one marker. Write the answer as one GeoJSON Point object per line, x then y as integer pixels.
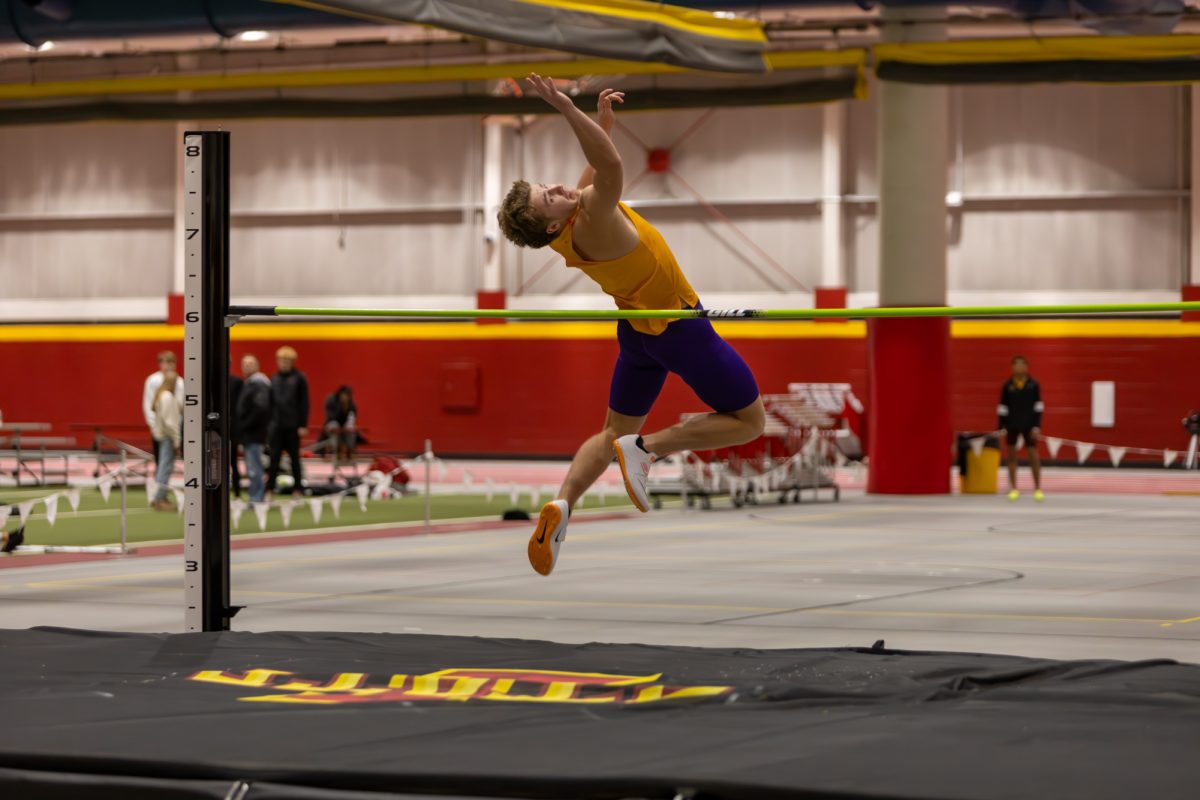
{"type": "Point", "coordinates": [1083, 576]}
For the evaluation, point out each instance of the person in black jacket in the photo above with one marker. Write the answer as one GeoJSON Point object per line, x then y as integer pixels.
{"type": "Point", "coordinates": [235, 391]}
{"type": "Point", "coordinates": [253, 419]}
{"type": "Point", "coordinates": [1020, 412]}
{"type": "Point", "coordinates": [341, 422]}
{"type": "Point", "coordinates": [289, 416]}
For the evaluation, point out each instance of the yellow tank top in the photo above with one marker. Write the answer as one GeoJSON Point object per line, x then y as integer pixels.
{"type": "Point", "coordinates": [647, 277]}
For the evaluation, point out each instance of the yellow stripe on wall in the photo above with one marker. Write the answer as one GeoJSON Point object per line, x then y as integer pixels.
{"type": "Point", "coordinates": [435, 331]}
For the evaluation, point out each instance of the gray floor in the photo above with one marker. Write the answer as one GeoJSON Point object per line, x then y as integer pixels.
{"type": "Point", "coordinates": [1080, 576]}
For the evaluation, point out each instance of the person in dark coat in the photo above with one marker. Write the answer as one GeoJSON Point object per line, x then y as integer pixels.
{"type": "Point", "coordinates": [289, 416]}
{"type": "Point", "coordinates": [253, 419]}
{"type": "Point", "coordinates": [341, 422]}
{"type": "Point", "coordinates": [235, 391]}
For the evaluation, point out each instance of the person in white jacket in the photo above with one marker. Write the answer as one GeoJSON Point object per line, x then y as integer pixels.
{"type": "Point", "coordinates": [154, 382]}
{"type": "Point", "coordinates": [167, 428]}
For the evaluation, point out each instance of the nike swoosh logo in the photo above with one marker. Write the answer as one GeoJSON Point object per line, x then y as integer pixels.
{"type": "Point", "coordinates": [541, 536]}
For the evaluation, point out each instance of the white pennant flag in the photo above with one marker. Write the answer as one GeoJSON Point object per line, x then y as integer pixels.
{"type": "Point", "coordinates": [315, 507]}
{"type": "Point", "coordinates": [73, 499]}
{"type": "Point", "coordinates": [260, 513]}
{"type": "Point", "coordinates": [51, 508]}
{"type": "Point", "coordinates": [1169, 457]}
{"type": "Point", "coordinates": [1052, 444]}
{"type": "Point", "coordinates": [1083, 449]}
{"type": "Point", "coordinates": [285, 511]}
{"type": "Point", "coordinates": [1115, 454]}
{"type": "Point", "coordinates": [105, 486]}
{"type": "Point", "coordinates": [180, 499]}
{"type": "Point", "coordinates": [362, 490]}
{"type": "Point", "coordinates": [535, 497]}
{"type": "Point", "coordinates": [335, 504]}
{"type": "Point", "coordinates": [467, 478]}
{"type": "Point", "coordinates": [236, 509]}
{"type": "Point", "coordinates": [491, 489]}
{"type": "Point", "coordinates": [25, 509]}
{"type": "Point", "coordinates": [513, 494]}
{"type": "Point", "coordinates": [441, 468]}
{"type": "Point", "coordinates": [977, 445]}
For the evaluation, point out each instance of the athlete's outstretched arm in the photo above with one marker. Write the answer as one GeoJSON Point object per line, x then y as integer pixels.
{"type": "Point", "coordinates": [598, 149]}
{"type": "Point", "coordinates": [605, 119]}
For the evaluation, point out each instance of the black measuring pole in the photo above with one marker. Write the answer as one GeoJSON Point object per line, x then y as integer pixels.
{"type": "Point", "coordinates": [206, 405]}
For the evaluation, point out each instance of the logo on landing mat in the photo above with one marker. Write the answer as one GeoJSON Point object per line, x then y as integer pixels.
{"type": "Point", "coordinates": [461, 685]}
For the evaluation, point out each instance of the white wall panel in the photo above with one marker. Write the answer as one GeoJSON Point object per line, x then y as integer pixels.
{"type": "Point", "coordinates": [1114, 249]}
{"type": "Point", "coordinates": [73, 169]}
{"type": "Point", "coordinates": [88, 263]}
{"type": "Point", "coordinates": [732, 154]}
{"type": "Point", "coordinates": [396, 258]}
{"type": "Point", "coordinates": [1018, 142]}
{"type": "Point", "coordinates": [352, 164]}
{"type": "Point", "coordinates": [355, 165]}
{"type": "Point", "coordinates": [54, 178]}
{"type": "Point", "coordinates": [1034, 139]}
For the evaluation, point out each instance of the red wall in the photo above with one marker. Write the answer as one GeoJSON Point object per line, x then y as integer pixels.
{"type": "Point", "coordinates": [543, 396]}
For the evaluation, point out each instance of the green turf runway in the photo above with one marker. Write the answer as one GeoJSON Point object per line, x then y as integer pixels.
{"type": "Point", "coordinates": [99, 523]}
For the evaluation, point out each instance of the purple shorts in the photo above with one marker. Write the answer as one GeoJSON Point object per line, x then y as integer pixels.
{"type": "Point", "coordinates": [692, 350]}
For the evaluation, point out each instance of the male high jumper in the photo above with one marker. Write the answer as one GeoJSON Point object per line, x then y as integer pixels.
{"type": "Point", "coordinates": [596, 233]}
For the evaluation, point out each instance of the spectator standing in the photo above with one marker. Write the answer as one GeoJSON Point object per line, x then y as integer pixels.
{"type": "Point", "coordinates": [1020, 412]}
{"type": "Point", "coordinates": [235, 439]}
{"type": "Point", "coordinates": [289, 416]}
{"type": "Point", "coordinates": [253, 417]}
{"type": "Point", "coordinates": [154, 381]}
{"type": "Point", "coordinates": [167, 429]}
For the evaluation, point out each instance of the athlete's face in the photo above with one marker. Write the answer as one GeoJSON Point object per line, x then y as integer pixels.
{"type": "Point", "coordinates": [1020, 368]}
{"type": "Point", "coordinates": [553, 201]}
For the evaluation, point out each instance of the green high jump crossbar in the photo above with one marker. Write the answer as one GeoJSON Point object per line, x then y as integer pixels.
{"type": "Point", "coordinates": [567, 315]}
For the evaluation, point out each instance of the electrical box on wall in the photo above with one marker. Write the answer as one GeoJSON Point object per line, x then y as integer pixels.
{"type": "Point", "coordinates": [460, 387]}
{"type": "Point", "coordinates": [1104, 404]}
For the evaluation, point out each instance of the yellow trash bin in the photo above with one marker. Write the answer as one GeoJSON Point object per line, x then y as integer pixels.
{"type": "Point", "coordinates": [982, 475]}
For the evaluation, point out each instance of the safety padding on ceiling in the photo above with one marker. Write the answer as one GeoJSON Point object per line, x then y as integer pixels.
{"type": "Point", "coordinates": [1086, 59]}
{"type": "Point", "coordinates": [633, 30]}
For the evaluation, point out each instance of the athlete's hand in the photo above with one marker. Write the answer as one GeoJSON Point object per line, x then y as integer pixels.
{"type": "Point", "coordinates": [547, 91]}
{"type": "Point", "coordinates": [604, 108]}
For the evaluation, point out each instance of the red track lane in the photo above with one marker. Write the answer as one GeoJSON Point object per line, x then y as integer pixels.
{"type": "Point", "coordinates": [176, 548]}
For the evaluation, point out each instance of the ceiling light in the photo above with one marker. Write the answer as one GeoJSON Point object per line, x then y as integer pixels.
{"type": "Point", "coordinates": [253, 36]}
{"type": "Point", "coordinates": [44, 46]}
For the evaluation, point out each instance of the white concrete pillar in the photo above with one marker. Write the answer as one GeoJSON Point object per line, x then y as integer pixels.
{"type": "Point", "coordinates": [913, 148]}
{"type": "Point", "coordinates": [492, 276]}
{"type": "Point", "coordinates": [908, 359]}
{"type": "Point", "coordinates": [833, 118]}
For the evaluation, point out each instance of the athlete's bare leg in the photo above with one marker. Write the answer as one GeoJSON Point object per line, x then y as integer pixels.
{"type": "Point", "coordinates": [594, 455]}
{"type": "Point", "coordinates": [710, 431]}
